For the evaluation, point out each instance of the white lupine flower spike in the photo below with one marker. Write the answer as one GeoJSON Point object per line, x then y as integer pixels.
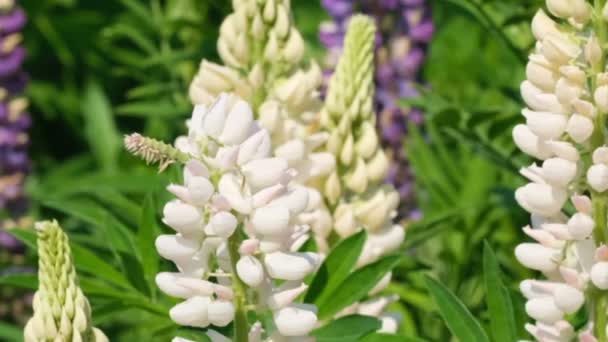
{"type": "Point", "coordinates": [234, 223]}
{"type": "Point", "coordinates": [261, 174]}
{"type": "Point", "coordinates": [567, 99]}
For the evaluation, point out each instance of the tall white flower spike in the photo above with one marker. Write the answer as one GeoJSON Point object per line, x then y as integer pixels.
{"type": "Point", "coordinates": [567, 97]}
{"type": "Point", "coordinates": [262, 52]}
{"type": "Point", "coordinates": [236, 223]}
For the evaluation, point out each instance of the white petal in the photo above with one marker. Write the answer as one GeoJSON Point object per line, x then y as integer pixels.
{"type": "Point", "coordinates": [271, 220]}
{"type": "Point", "coordinates": [250, 270]}
{"type": "Point", "coordinates": [192, 312]}
{"type": "Point", "coordinates": [182, 217]}
{"type": "Point", "coordinates": [176, 248]}
{"type": "Point", "coordinates": [536, 256]}
{"type": "Point", "coordinates": [579, 128]}
{"type": "Point", "coordinates": [168, 283]}
{"type": "Point", "coordinates": [223, 224]}
{"type": "Point", "coordinates": [238, 124]}
{"type": "Point", "coordinates": [213, 123]}
{"type": "Point", "coordinates": [296, 320]}
{"type": "Point", "coordinates": [545, 125]}
{"type": "Point", "coordinates": [220, 312]}
{"type": "Point", "coordinates": [290, 266]}
{"type": "Point", "coordinates": [597, 177]}
{"type": "Point", "coordinates": [568, 299]}
{"type": "Point", "coordinates": [529, 143]}
{"type": "Point", "coordinates": [200, 190]}
{"type": "Point", "coordinates": [262, 173]}
{"type": "Point", "coordinates": [559, 171]}
{"type": "Point", "coordinates": [215, 336]}
{"type": "Point", "coordinates": [256, 146]}
{"type": "Point", "coordinates": [580, 226]}
{"type": "Point", "coordinates": [295, 199]}
{"type": "Point", "coordinates": [542, 199]}
{"type": "Point", "coordinates": [544, 310]}
{"type": "Point", "coordinates": [230, 187]}
{"type": "Point", "coordinates": [599, 275]}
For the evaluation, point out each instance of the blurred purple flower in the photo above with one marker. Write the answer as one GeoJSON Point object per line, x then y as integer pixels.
{"type": "Point", "coordinates": [14, 122]}
{"type": "Point", "coordinates": [405, 28]}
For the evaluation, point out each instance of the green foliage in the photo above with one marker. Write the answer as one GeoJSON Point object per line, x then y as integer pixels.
{"type": "Point", "coordinates": [109, 68]}
{"type": "Point", "coordinates": [347, 329]}
{"type": "Point", "coordinates": [460, 321]}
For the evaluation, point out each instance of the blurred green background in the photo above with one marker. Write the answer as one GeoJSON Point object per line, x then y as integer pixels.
{"type": "Point", "coordinates": [101, 69]}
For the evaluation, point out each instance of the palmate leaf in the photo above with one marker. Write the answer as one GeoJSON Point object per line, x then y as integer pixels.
{"type": "Point", "coordinates": [347, 329]}
{"type": "Point", "coordinates": [502, 319]}
{"type": "Point", "coordinates": [456, 316]}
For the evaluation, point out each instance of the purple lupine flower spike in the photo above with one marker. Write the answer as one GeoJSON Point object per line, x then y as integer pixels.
{"type": "Point", "coordinates": [14, 119]}
{"type": "Point", "coordinates": [404, 29]}
{"type": "Point", "coordinates": [14, 161]}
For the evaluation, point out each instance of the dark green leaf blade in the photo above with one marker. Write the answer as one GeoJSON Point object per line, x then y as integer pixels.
{"type": "Point", "coordinates": [379, 337]}
{"type": "Point", "coordinates": [25, 281]}
{"type": "Point", "coordinates": [456, 316]}
{"type": "Point", "coordinates": [147, 231]}
{"type": "Point", "coordinates": [502, 320]}
{"type": "Point", "coordinates": [335, 268]}
{"type": "Point", "coordinates": [346, 329]}
{"type": "Point", "coordinates": [357, 285]}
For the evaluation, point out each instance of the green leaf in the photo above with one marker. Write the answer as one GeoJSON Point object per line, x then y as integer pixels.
{"type": "Point", "coordinates": [100, 128]}
{"type": "Point", "coordinates": [379, 337]}
{"type": "Point", "coordinates": [146, 234]}
{"type": "Point", "coordinates": [120, 237]}
{"type": "Point", "coordinates": [456, 316]}
{"type": "Point", "coordinates": [10, 333]}
{"type": "Point", "coordinates": [335, 268]}
{"type": "Point", "coordinates": [346, 329]}
{"type": "Point", "coordinates": [26, 281]}
{"type": "Point", "coordinates": [84, 259]}
{"type": "Point", "coordinates": [156, 108]}
{"type": "Point", "coordinates": [502, 319]}
{"type": "Point", "coordinates": [357, 285]}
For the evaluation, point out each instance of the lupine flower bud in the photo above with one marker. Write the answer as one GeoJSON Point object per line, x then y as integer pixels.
{"type": "Point", "coordinates": [295, 320]}
{"type": "Point", "coordinates": [342, 93]}
{"type": "Point", "coordinates": [597, 176]}
{"type": "Point", "coordinates": [61, 311]}
{"type": "Point", "coordinates": [536, 257]}
{"type": "Point", "coordinates": [599, 275]}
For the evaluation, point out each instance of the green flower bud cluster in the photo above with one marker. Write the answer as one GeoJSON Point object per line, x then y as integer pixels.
{"type": "Point", "coordinates": [349, 116]}
{"type": "Point", "coordinates": [61, 311]}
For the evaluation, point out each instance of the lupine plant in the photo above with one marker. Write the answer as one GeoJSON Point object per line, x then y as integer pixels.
{"type": "Point", "coordinates": [404, 29]}
{"type": "Point", "coordinates": [566, 92]}
{"type": "Point", "coordinates": [248, 202]}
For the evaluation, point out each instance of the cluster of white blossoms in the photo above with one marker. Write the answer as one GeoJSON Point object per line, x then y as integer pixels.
{"type": "Point", "coordinates": [567, 96]}
{"type": "Point", "coordinates": [237, 227]}
{"type": "Point", "coordinates": [262, 52]}
{"type": "Point", "coordinates": [266, 175]}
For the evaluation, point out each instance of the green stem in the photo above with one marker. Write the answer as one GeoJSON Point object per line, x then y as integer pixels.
{"type": "Point", "coordinates": [599, 299]}
{"type": "Point", "coordinates": [600, 304]}
{"type": "Point", "coordinates": [241, 327]}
